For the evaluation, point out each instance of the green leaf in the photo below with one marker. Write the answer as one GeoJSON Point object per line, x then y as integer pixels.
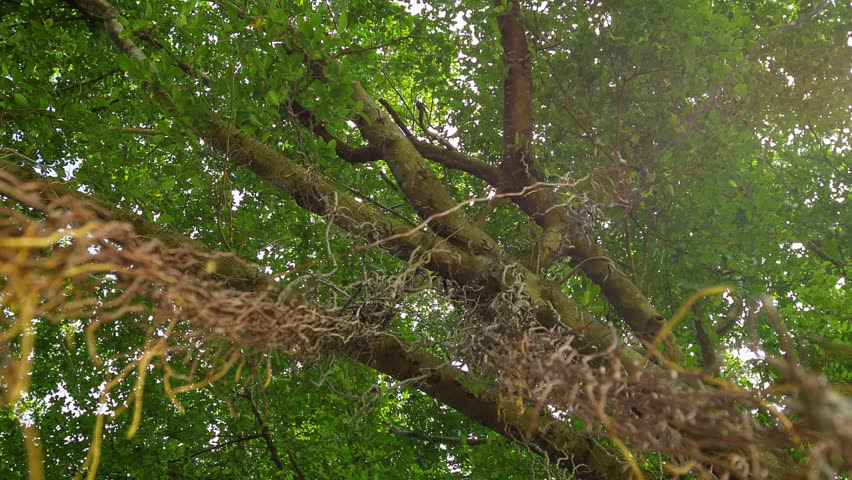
{"type": "Point", "coordinates": [168, 183]}
{"type": "Point", "coordinates": [21, 100]}
{"type": "Point", "coordinates": [273, 97]}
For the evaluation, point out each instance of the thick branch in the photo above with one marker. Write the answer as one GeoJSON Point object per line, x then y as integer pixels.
{"type": "Point", "coordinates": [417, 179]}
{"type": "Point", "coordinates": [517, 91]}
{"type": "Point", "coordinates": [229, 267]}
{"type": "Point", "coordinates": [492, 274]}
{"type": "Point", "coordinates": [482, 402]}
{"type": "Point", "coordinates": [460, 390]}
{"type": "Point", "coordinates": [459, 161]}
{"type": "Point", "coordinates": [561, 236]}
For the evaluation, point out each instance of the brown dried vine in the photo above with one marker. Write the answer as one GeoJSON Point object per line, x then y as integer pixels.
{"type": "Point", "coordinates": [65, 261]}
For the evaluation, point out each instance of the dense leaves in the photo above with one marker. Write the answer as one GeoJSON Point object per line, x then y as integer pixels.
{"type": "Point", "coordinates": [680, 145]}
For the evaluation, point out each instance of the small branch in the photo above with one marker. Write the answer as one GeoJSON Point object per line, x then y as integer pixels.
{"type": "Point", "coordinates": [142, 131]}
{"type": "Point", "coordinates": [714, 97]}
{"type": "Point", "coordinates": [296, 468]}
{"type": "Point", "coordinates": [600, 258]}
{"type": "Point", "coordinates": [226, 5]}
{"type": "Point", "coordinates": [396, 118]}
{"type": "Point", "coordinates": [459, 161]}
{"type": "Point", "coordinates": [490, 207]}
{"type": "Point", "coordinates": [187, 68]}
{"type": "Point", "coordinates": [239, 439]}
{"type": "Point", "coordinates": [90, 81]}
{"type": "Point", "coordinates": [735, 313]}
{"type": "Point", "coordinates": [390, 43]}
{"type": "Point", "coordinates": [264, 430]}
{"type": "Point", "coordinates": [11, 152]}
{"type": "Point", "coordinates": [705, 346]}
{"type": "Point", "coordinates": [637, 72]}
{"type": "Point", "coordinates": [388, 181]}
{"type": "Point", "coordinates": [367, 154]}
{"type": "Point", "coordinates": [436, 438]}
{"type": "Point", "coordinates": [789, 350]}
{"type": "Point", "coordinates": [423, 122]}
{"type": "Point", "coordinates": [385, 209]}
{"type": "Point", "coordinates": [587, 133]}
{"type": "Point", "coordinates": [814, 247]}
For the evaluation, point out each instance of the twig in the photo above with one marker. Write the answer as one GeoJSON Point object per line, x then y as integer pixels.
{"type": "Point", "coordinates": [264, 431]}
{"type": "Point", "coordinates": [436, 438]}
{"type": "Point", "coordinates": [396, 118]}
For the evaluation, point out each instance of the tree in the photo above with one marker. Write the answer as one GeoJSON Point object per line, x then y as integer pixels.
{"type": "Point", "coordinates": [639, 268]}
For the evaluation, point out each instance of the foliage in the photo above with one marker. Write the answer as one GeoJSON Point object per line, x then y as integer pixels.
{"type": "Point", "coordinates": [406, 172]}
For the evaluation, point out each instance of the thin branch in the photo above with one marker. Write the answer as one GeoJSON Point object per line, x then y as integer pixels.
{"type": "Point", "coordinates": [90, 81]}
{"type": "Point", "coordinates": [187, 68]}
{"type": "Point", "coordinates": [385, 209]}
{"type": "Point", "coordinates": [396, 118]}
{"type": "Point", "coordinates": [142, 131]}
{"type": "Point", "coordinates": [436, 438]}
{"type": "Point", "coordinates": [789, 349]}
{"type": "Point", "coordinates": [296, 468]}
{"type": "Point", "coordinates": [366, 154]}
{"type": "Point", "coordinates": [264, 430]}
{"type": "Point", "coordinates": [238, 439]}
{"type": "Point", "coordinates": [736, 312]}
{"type": "Point", "coordinates": [814, 247]}
{"type": "Point", "coordinates": [390, 43]}
{"type": "Point", "coordinates": [423, 122]}
{"type": "Point", "coordinates": [490, 207]}
{"type": "Point", "coordinates": [226, 5]}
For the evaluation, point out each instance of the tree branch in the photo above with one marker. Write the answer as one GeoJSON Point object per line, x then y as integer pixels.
{"type": "Point", "coordinates": [816, 249]}
{"type": "Point", "coordinates": [239, 439]}
{"type": "Point", "coordinates": [436, 438]}
{"type": "Point", "coordinates": [460, 390]}
{"type": "Point", "coordinates": [560, 235]}
{"type": "Point", "coordinates": [550, 306]}
{"type": "Point", "coordinates": [228, 267]}
{"type": "Point", "coordinates": [366, 154]}
{"type": "Point", "coordinates": [517, 92]}
{"type": "Point", "coordinates": [267, 436]}
{"type": "Point", "coordinates": [482, 402]}
{"type": "Point", "coordinates": [417, 179]}
{"type": "Point", "coordinates": [397, 119]}
{"type": "Point", "coordinates": [459, 161]}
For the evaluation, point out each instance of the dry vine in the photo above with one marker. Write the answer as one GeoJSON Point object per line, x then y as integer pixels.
{"type": "Point", "coordinates": [703, 424]}
{"type": "Point", "coordinates": [65, 261]}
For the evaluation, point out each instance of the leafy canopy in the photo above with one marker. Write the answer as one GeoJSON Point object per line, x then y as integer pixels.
{"type": "Point", "coordinates": [457, 176]}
